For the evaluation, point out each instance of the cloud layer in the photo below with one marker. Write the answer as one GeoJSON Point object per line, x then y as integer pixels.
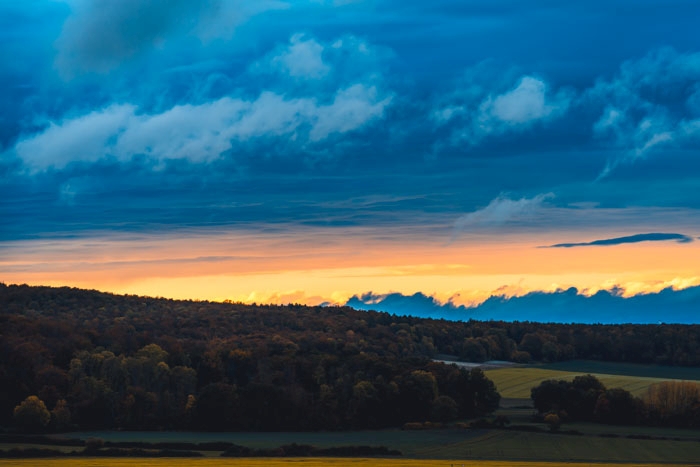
{"type": "Point", "coordinates": [254, 90]}
{"type": "Point", "coordinates": [563, 306]}
{"type": "Point", "coordinates": [198, 133]}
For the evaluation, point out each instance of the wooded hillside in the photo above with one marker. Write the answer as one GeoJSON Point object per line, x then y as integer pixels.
{"type": "Point", "coordinates": [98, 360]}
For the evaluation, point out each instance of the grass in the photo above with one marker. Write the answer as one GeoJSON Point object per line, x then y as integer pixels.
{"type": "Point", "coordinates": [424, 447]}
{"type": "Point", "coordinates": [516, 383]}
{"type": "Point", "coordinates": [404, 441]}
{"type": "Point", "coordinates": [558, 447]}
{"type": "Point", "coordinates": [105, 462]}
{"type": "Point", "coordinates": [626, 369]}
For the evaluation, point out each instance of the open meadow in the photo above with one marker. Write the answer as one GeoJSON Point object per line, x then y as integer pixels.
{"type": "Point", "coordinates": [516, 382]}
{"type": "Point", "coordinates": [419, 447]}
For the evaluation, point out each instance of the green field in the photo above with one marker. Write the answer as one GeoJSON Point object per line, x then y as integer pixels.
{"type": "Point", "coordinates": [516, 382]}
{"type": "Point", "coordinates": [108, 462]}
{"type": "Point", "coordinates": [406, 441]}
{"type": "Point", "coordinates": [626, 369]}
{"type": "Point", "coordinates": [453, 444]}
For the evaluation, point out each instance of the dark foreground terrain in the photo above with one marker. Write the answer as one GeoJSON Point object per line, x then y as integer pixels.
{"type": "Point", "coordinates": [513, 444]}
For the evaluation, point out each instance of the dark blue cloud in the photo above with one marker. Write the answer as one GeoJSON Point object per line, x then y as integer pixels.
{"type": "Point", "coordinates": [646, 237]}
{"type": "Point", "coordinates": [414, 305]}
{"type": "Point", "coordinates": [564, 306]}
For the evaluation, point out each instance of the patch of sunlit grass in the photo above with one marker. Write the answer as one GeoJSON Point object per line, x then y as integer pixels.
{"type": "Point", "coordinates": [516, 383]}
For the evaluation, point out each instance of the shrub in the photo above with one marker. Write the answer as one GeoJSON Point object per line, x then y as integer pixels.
{"type": "Point", "coordinates": [32, 415]}
{"type": "Point", "coordinates": [553, 421]}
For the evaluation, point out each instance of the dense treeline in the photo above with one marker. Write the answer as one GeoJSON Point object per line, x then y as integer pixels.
{"type": "Point", "coordinates": [83, 359]}
{"type": "Point", "coordinates": [670, 403]}
{"type": "Point", "coordinates": [97, 360]}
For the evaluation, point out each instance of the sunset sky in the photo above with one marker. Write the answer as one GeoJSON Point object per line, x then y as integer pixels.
{"type": "Point", "coordinates": [311, 151]}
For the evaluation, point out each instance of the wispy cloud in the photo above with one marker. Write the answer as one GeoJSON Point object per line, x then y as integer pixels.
{"type": "Point", "coordinates": [646, 237]}
{"type": "Point", "coordinates": [650, 104]}
{"type": "Point", "coordinates": [502, 210]}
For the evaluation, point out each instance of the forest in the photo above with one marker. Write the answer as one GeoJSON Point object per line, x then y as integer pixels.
{"type": "Point", "coordinates": [78, 359]}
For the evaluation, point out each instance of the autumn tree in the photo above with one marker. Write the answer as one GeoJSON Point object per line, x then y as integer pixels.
{"type": "Point", "coordinates": [444, 409]}
{"type": "Point", "coordinates": [60, 416]}
{"type": "Point", "coordinates": [577, 398]}
{"type": "Point", "coordinates": [31, 415]}
{"type": "Point", "coordinates": [417, 391]}
{"type": "Point", "coordinates": [618, 407]}
{"type": "Point", "coordinates": [674, 403]}
{"type": "Point", "coordinates": [364, 405]}
{"type": "Point", "coordinates": [553, 421]}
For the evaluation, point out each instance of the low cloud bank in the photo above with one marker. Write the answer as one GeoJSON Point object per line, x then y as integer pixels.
{"type": "Point", "coordinates": [562, 306]}
{"type": "Point", "coordinates": [417, 304]}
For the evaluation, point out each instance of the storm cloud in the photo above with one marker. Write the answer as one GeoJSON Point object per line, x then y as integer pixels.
{"type": "Point", "coordinates": [99, 36]}
{"type": "Point", "coordinates": [478, 120]}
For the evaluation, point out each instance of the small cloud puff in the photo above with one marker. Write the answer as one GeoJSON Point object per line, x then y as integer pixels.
{"type": "Point", "coordinates": [351, 108]}
{"type": "Point", "coordinates": [500, 211]}
{"type": "Point", "coordinates": [525, 103]}
{"type": "Point", "coordinates": [478, 112]}
{"type": "Point", "coordinates": [302, 58]}
{"type": "Point", "coordinates": [315, 66]}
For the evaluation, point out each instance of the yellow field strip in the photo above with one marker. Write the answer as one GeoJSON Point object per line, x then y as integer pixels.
{"type": "Point", "coordinates": [293, 462]}
{"type": "Point", "coordinates": [516, 383]}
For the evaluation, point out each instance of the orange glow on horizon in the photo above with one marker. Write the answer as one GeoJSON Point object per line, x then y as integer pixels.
{"type": "Point", "coordinates": [315, 265]}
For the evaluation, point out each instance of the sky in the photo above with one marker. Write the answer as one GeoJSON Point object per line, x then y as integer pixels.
{"type": "Point", "coordinates": [320, 151]}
